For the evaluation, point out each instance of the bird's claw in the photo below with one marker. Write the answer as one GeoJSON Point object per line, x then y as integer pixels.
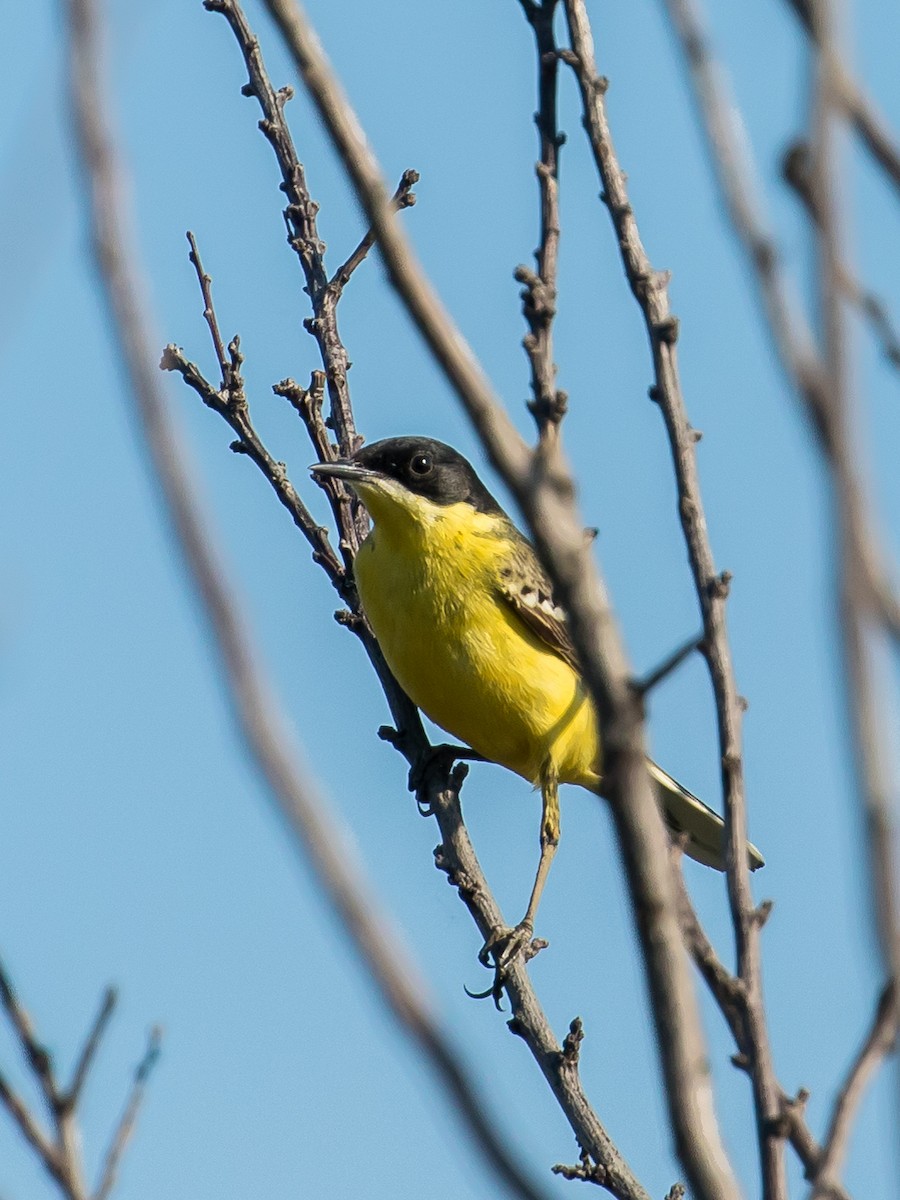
{"type": "Point", "coordinates": [435, 758]}
{"type": "Point", "coordinates": [503, 946]}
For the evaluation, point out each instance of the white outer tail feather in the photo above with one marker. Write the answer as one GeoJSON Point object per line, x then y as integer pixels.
{"type": "Point", "coordinates": [705, 829]}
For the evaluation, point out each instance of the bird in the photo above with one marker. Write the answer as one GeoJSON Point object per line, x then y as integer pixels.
{"type": "Point", "coordinates": [467, 622]}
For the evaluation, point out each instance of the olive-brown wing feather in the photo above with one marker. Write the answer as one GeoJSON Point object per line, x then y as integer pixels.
{"type": "Point", "coordinates": [524, 587]}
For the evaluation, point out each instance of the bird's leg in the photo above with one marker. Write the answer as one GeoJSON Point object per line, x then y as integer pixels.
{"type": "Point", "coordinates": [504, 944]}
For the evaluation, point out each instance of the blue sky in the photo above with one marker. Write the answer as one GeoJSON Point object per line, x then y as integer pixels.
{"type": "Point", "coordinates": [135, 844]}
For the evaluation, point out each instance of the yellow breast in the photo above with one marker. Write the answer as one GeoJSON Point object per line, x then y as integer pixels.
{"type": "Point", "coordinates": [428, 584]}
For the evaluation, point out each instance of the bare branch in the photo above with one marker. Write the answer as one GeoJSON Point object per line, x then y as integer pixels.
{"type": "Point", "coordinates": [303, 237]}
{"type": "Point", "coordinates": [89, 1050]}
{"type": "Point", "coordinates": [731, 997]}
{"type": "Point", "coordinates": [871, 127]}
{"type": "Point", "coordinates": [249, 442]}
{"type": "Point", "coordinates": [855, 541]}
{"type": "Point", "coordinates": [230, 402]}
{"type": "Point", "coordinates": [878, 1043]}
{"type": "Point", "coordinates": [404, 197]}
{"type": "Point", "coordinates": [209, 313]}
{"type": "Point", "coordinates": [33, 1134]}
{"type": "Point", "coordinates": [796, 171]}
{"type": "Point", "coordinates": [457, 858]}
{"type": "Point", "coordinates": [543, 488]}
{"type": "Point", "coordinates": [647, 683]}
{"type": "Point", "coordinates": [125, 1128]}
{"type": "Point", "coordinates": [60, 1152]}
{"type": "Point", "coordinates": [548, 404]}
{"type": "Point", "coordinates": [36, 1055]}
{"type": "Point", "coordinates": [440, 798]}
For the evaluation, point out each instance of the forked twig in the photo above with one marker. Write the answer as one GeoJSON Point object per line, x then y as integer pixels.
{"type": "Point", "coordinates": [58, 1149]}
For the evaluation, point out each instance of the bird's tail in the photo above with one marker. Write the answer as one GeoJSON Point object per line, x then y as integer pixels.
{"type": "Point", "coordinates": [705, 829]}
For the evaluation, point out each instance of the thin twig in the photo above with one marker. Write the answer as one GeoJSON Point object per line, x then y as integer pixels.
{"type": "Point", "coordinates": [125, 1128]}
{"type": "Point", "coordinates": [230, 402]}
{"type": "Point", "coordinates": [457, 858]}
{"type": "Point", "coordinates": [543, 488]}
{"type": "Point", "coordinates": [404, 197]}
{"type": "Point", "coordinates": [89, 1050]}
{"type": "Point", "coordinates": [548, 404]}
{"type": "Point", "coordinates": [259, 721]}
{"type": "Point", "coordinates": [248, 440]}
{"type": "Point", "coordinates": [303, 237]}
{"type": "Point", "coordinates": [878, 1043]}
{"type": "Point", "coordinates": [671, 663]}
{"type": "Point", "coordinates": [209, 313]}
{"type": "Point", "coordinates": [60, 1152]}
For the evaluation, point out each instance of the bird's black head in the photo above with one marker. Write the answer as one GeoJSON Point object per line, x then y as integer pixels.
{"type": "Point", "coordinates": [428, 468]}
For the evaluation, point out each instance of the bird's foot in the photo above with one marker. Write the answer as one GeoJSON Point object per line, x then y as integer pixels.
{"type": "Point", "coordinates": [504, 946]}
{"type": "Point", "coordinates": [438, 759]}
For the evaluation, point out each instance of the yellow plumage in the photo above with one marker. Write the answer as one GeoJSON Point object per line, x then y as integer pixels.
{"type": "Point", "coordinates": [428, 578]}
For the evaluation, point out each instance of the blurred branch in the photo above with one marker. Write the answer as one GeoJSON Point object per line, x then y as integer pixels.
{"type": "Point", "coordinates": [91, 1046]}
{"type": "Point", "coordinates": [795, 169]}
{"type": "Point", "coordinates": [59, 1152]}
{"type": "Point", "coordinates": [650, 288]}
{"type": "Point", "coordinates": [788, 327]}
{"type": "Point", "coordinates": [862, 692]}
{"type": "Point", "coordinates": [878, 1043]}
{"type": "Point", "coordinates": [259, 720]}
{"type": "Point", "coordinates": [125, 1128]}
{"type": "Point", "coordinates": [870, 126]}
{"type": "Point", "coordinates": [543, 487]}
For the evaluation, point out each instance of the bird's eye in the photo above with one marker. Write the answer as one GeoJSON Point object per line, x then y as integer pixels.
{"type": "Point", "coordinates": [421, 464]}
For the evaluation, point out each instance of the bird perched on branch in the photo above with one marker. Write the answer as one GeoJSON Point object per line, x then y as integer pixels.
{"type": "Point", "coordinates": [466, 620]}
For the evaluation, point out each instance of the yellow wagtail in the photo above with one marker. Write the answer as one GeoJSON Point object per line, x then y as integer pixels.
{"type": "Point", "coordinates": [465, 617]}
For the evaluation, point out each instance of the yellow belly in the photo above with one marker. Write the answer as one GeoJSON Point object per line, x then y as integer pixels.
{"type": "Point", "coordinates": [465, 658]}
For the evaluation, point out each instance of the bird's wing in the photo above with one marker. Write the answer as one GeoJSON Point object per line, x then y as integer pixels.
{"type": "Point", "coordinates": [522, 585]}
